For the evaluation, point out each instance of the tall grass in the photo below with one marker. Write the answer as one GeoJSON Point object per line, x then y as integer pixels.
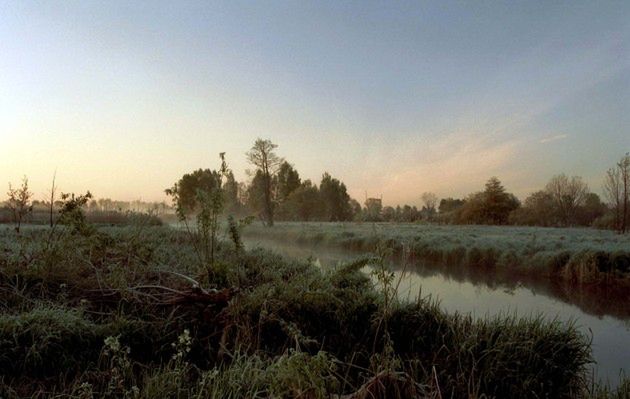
{"type": "Point", "coordinates": [92, 315]}
{"type": "Point", "coordinates": [576, 255]}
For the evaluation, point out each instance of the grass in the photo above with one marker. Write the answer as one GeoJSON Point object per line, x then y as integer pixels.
{"type": "Point", "coordinates": [578, 255]}
{"type": "Point", "coordinates": [113, 312]}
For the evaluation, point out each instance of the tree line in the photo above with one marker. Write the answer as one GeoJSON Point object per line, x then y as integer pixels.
{"type": "Point", "coordinates": [277, 192]}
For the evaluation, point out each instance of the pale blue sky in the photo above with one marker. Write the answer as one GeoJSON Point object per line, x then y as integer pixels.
{"type": "Point", "coordinates": [394, 98]}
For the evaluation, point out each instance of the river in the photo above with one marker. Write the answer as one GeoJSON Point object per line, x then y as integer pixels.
{"type": "Point", "coordinates": [599, 314]}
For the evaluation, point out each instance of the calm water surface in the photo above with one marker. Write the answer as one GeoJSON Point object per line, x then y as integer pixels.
{"type": "Point", "coordinates": [601, 315]}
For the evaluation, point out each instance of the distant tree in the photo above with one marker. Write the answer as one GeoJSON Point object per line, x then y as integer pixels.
{"type": "Point", "coordinates": [355, 207]}
{"type": "Point", "coordinates": [472, 211]}
{"type": "Point", "coordinates": [388, 214]}
{"type": "Point", "coordinates": [263, 157]}
{"type": "Point", "coordinates": [491, 206]}
{"type": "Point", "coordinates": [19, 203]}
{"type": "Point", "coordinates": [624, 169]}
{"type": "Point", "coordinates": [537, 210]}
{"type": "Point", "coordinates": [303, 203]}
{"type": "Point", "coordinates": [373, 210]}
{"type": "Point", "coordinates": [616, 190]}
{"type": "Point", "coordinates": [231, 194]}
{"type": "Point", "coordinates": [187, 189]}
{"type": "Point", "coordinates": [449, 205]}
{"type": "Point", "coordinates": [288, 181]}
{"type": "Point", "coordinates": [335, 199]}
{"type": "Point", "coordinates": [590, 210]}
{"type": "Point", "coordinates": [497, 204]}
{"type": "Point", "coordinates": [408, 214]}
{"type": "Point", "coordinates": [430, 201]}
{"type": "Point", "coordinates": [568, 195]}
{"type": "Point", "coordinates": [256, 195]}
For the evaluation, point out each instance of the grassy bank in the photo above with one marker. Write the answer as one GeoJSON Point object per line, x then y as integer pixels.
{"type": "Point", "coordinates": [128, 312]}
{"type": "Point", "coordinates": [575, 255]}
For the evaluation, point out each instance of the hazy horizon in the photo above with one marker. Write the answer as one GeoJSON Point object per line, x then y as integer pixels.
{"type": "Point", "coordinates": [393, 99]}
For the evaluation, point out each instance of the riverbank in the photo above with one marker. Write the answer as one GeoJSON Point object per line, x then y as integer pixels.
{"type": "Point", "coordinates": [580, 256]}
{"type": "Point", "coordinates": [129, 312]}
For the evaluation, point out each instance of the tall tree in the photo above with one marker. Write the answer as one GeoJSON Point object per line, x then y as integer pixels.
{"type": "Point", "coordinates": [624, 171]}
{"type": "Point", "coordinates": [616, 189]}
{"type": "Point", "coordinates": [430, 202]}
{"type": "Point", "coordinates": [568, 194]}
{"type": "Point", "coordinates": [497, 204]}
{"type": "Point", "coordinates": [263, 157]}
{"type": "Point", "coordinates": [231, 195]}
{"type": "Point", "coordinates": [538, 210]}
{"type": "Point", "coordinates": [335, 199]}
{"type": "Point", "coordinates": [303, 203]}
{"type": "Point", "coordinates": [288, 181]}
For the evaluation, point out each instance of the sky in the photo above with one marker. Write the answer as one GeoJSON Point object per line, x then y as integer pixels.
{"type": "Point", "coordinates": [392, 98]}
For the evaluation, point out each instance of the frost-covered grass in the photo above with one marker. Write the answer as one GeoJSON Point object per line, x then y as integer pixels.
{"type": "Point", "coordinates": [90, 314]}
{"type": "Point", "coordinates": [578, 254]}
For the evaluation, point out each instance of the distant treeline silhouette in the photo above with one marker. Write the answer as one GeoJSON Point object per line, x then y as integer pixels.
{"type": "Point", "coordinates": [276, 191]}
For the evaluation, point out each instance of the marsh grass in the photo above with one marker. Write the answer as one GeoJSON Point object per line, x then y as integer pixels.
{"type": "Point", "coordinates": [84, 315]}
{"type": "Point", "coordinates": [582, 256]}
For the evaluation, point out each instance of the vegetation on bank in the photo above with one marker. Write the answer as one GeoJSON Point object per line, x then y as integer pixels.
{"type": "Point", "coordinates": [575, 255]}
{"type": "Point", "coordinates": [276, 192]}
{"type": "Point", "coordinates": [127, 312]}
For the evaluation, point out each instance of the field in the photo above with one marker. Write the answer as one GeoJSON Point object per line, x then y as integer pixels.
{"type": "Point", "coordinates": [129, 312]}
{"type": "Point", "coordinates": [576, 255]}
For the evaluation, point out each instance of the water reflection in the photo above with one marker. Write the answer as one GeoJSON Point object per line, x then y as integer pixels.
{"type": "Point", "coordinates": [602, 313]}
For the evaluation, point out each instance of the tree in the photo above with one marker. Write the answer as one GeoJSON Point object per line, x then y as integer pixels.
{"type": "Point", "coordinates": [188, 187]}
{"type": "Point", "coordinates": [262, 156]}
{"type": "Point", "coordinates": [537, 210]}
{"type": "Point", "coordinates": [616, 189]}
{"type": "Point", "coordinates": [231, 194]}
{"type": "Point", "coordinates": [568, 194]}
{"type": "Point", "coordinates": [256, 195]}
{"type": "Point", "coordinates": [491, 206]}
{"type": "Point", "coordinates": [624, 171]}
{"type": "Point", "coordinates": [373, 209]}
{"type": "Point", "coordinates": [430, 201]}
{"type": "Point", "coordinates": [591, 209]}
{"type": "Point", "coordinates": [19, 203]}
{"type": "Point", "coordinates": [388, 214]}
{"type": "Point", "coordinates": [288, 181]}
{"type": "Point", "coordinates": [335, 199]}
{"type": "Point", "coordinates": [208, 203]}
{"type": "Point", "coordinates": [449, 205]}
{"type": "Point", "coordinates": [497, 204]}
{"type": "Point", "coordinates": [303, 203]}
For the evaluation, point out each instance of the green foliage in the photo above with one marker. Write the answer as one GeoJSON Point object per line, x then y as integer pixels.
{"type": "Point", "coordinates": [292, 330]}
{"type": "Point", "coordinates": [335, 199]}
{"type": "Point", "coordinates": [44, 340]}
{"type": "Point", "coordinates": [71, 212]}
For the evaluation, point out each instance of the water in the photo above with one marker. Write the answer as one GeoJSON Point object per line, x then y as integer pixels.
{"type": "Point", "coordinates": [603, 315]}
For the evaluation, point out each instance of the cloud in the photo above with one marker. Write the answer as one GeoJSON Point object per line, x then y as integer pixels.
{"type": "Point", "coordinates": [553, 138]}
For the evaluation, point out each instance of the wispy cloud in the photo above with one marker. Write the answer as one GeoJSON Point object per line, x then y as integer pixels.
{"type": "Point", "coordinates": [554, 138]}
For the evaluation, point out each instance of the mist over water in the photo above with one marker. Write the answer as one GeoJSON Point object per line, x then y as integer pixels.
{"type": "Point", "coordinates": [605, 320]}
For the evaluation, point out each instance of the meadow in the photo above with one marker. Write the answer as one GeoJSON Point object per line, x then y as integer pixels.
{"type": "Point", "coordinates": [575, 255]}
{"type": "Point", "coordinates": [131, 312]}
